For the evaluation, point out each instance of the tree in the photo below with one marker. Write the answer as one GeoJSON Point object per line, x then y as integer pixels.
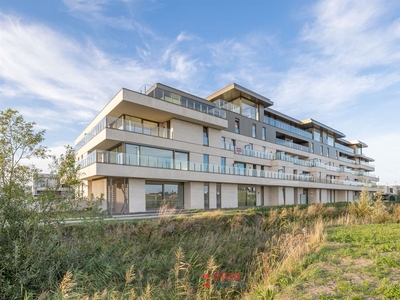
{"type": "Point", "coordinates": [31, 232]}
{"type": "Point", "coordinates": [63, 192]}
{"type": "Point", "coordinates": [18, 143]}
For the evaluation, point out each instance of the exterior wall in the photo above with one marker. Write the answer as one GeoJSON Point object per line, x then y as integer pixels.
{"type": "Point", "coordinates": [194, 195]}
{"type": "Point", "coordinates": [313, 196]}
{"type": "Point", "coordinates": [277, 194]}
{"type": "Point", "coordinates": [229, 195]}
{"type": "Point", "coordinates": [137, 195]}
{"type": "Point", "coordinates": [324, 196]}
{"type": "Point", "coordinates": [212, 195]}
{"type": "Point", "coordinates": [99, 189]}
{"type": "Point", "coordinates": [289, 195]}
{"type": "Point", "coordinates": [187, 132]}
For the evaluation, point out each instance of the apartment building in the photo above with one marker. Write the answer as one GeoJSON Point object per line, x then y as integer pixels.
{"type": "Point", "coordinates": [231, 149]}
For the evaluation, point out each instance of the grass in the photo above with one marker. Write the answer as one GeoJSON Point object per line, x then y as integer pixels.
{"type": "Point", "coordinates": [274, 252]}
{"type": "Point", "coordinates": [356, 262]}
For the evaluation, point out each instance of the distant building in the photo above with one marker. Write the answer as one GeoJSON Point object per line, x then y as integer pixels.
{"type": "Point", "coordinates": [43, 182]}
{"type": "Point", "coordinates": [227, 150]}
{"type": "Point", "coordinates": [388, 191]}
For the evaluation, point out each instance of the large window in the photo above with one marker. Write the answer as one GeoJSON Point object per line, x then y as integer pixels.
{"type": "Point", "coordinates": [240, 168]}
{"type": "Point", "coordinates": [249, 109]}
{"type": "Point", "coordinates": [330, 140]}
{"type": "Point", "coordinates": [158, 194]}
{"type": "Point", "coordinates": [117, 155]}
{"type": "Point", "coordinates": [223, 164]}
{"type": "Point", "coordinates": [153, 157]}
{"type": "Point", "coordinates": [181, 160]}
{"type": "Point", "coordinates": [317, 135]}
{"type": "Point", "coordinates": [132, 155]}
{"type": "Point", "coordinates": [246, 196]}
{"type": "Point", "coordinates": [205, 162]}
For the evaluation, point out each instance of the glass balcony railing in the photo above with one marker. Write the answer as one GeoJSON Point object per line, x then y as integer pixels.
{"type": "Point", "coordinates": [292, 145]}
{"type": "Point", "coordinates": [167, 96]}
{"type": "Point", "coordinates": [119, 158]}
{"type": "Point", "coordinates": [227, 106]}
{"type": "Point", "coordinates": [253, 153]}
{"type": "Point", "coordinates": [350, 161]}
{"type": "Point", "coordinates": [344, 148]}
{"type": "Point", "coordinates": [366, 163]}
{"type": "Point", "coordinates": [126, 125]}
{"type": "Point", "coordinates": [287, 127]}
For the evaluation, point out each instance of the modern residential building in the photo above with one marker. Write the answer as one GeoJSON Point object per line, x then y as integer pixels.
{"type": "Point", "coordinates": [231, 149]}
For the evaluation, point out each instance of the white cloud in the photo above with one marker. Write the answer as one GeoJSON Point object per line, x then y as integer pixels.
{"type": "Point", "coordinates": [73, 81]}
{"type": "Point", "coordinates": [349, 50]}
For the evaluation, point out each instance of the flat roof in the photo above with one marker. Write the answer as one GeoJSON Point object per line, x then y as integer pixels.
{"type": "Point", "coordinates": [234, 91]}
{"type": "Point", "coordinates": [313, 123]}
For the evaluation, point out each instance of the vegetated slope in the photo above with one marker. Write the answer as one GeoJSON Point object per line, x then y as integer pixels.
{"type": "Point", "coordinates": [357, 262]}
{"type": "Point", "coordinates": [251, 254]}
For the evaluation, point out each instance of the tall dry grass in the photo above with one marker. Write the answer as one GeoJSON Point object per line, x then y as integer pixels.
{"type": "Point", "coordinates": [167, 258]}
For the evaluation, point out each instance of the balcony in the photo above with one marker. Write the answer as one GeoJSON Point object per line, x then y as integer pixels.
{"type": "Point", "coordinates": [253, 153]}
{"type": "Point", "coordinates": [119, 158]}
{"type": "Point", "coordinates": [126, 125]}
{"type": "Point", "coordinates": [292, 145]}
{"type": "Point", "coordinates": [344, 148]}
{"type": "Point", "coordinates": [350, 161]}
{"type": "Point", "coordinates": [287, 127]}
{"type": "Point", "coordinates": [366, 163]}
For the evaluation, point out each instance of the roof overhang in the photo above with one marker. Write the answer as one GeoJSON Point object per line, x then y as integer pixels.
{"type": "Point", "coordinates": [234, 91]}
{"type": "Point", "coordinates": [311, 123]}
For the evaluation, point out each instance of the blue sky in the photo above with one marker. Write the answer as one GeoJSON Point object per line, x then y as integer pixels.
{"type": "Point", "coordinates": [336, 61]}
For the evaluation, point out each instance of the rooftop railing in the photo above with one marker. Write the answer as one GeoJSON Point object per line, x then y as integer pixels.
{"type": "Point", "coordinates": [120, 158]}
{"type": "Point", "coordinates": [199, 106]}
{"type": "Point", "coordinates": [227, 106]}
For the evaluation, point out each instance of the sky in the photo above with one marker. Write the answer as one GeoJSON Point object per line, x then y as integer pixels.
{"type": "Point", "coordinates": [336, 61]}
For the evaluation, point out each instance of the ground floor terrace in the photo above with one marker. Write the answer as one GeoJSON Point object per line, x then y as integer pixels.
{"type": "Point", "coordinates": [130, 195]}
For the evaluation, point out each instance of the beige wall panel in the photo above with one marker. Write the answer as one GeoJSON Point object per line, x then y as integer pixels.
{"type": "Point", "coordinates": [274, 196]}
{"type": "Point", "coordinates": [188, 132]}
{"type": "Point", "coordinates": [342, 196]}
{"type": "Point", "coordinates": [229, 195]}
{"type": "Point", "coordinates": [214, 137]}
{"type": "Point", "coordinates": [258, 195]}
{"type": "Point", "coordinates": [313, 196]}
{"type": "Point", "coordinates": [324, 196]}
{"type": "Point", "coordinates": [194, 195]}
{"type": "Point", "coordinates": [289, 196]}
{"type": "Point", "coordinates": [99, 189]}
{"type": "Point", "coordinates": [137, 195]}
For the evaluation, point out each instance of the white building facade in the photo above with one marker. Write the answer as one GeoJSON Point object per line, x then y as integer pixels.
{"type": "Point", "coordinates": [227, 150]}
